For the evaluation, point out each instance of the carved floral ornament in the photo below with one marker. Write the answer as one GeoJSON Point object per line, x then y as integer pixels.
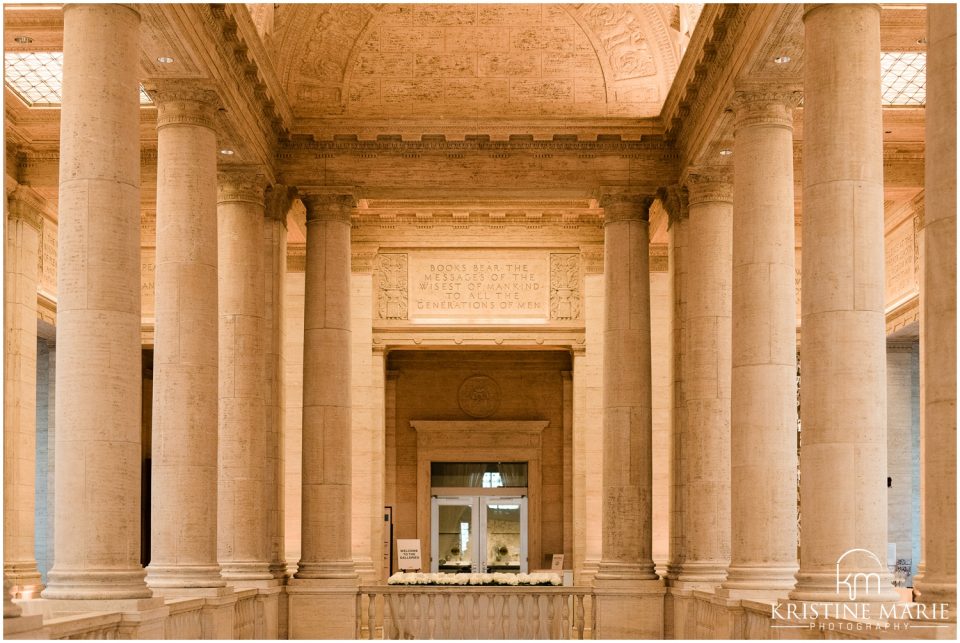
{"type": "Point", "coordinates": [765, 106]}
{"type": "Point", "coordinates": [329, 207]}
{"type": "Point", "coordinates": [709, 186]}
{"type": "Point", "coordinates": [184, 104]}
{"type": "Point", "coordinates": [625, 207]}
{"type": "Point", "coordinates": [244, 185]}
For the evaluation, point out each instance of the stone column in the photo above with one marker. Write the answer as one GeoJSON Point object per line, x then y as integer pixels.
{"type": "Point", "coordinates": [629, 605]}
{"type": "Point", "coordinates": [97, 551]}
{"type": "Point", "coordinates": [627, 508]}
{"type": "Point", "coordinates": [704, 466]}
{"type": "Point", "coordinates": [183, 551]}
{"type": "Point", "coordinates": [24, 222]}
{"type": "Point", "coordinates": [242, 525]}
{"type": "Point", "coordinates": [763, 396]}
{"type": "Point", "coordinates": [674, 200]}
{"type": "Point", "coordinates": [322, 597]}
{"type": "Point", "coordinates": [278, 201]}
{"type": "Point", "coordinates": [843, 346]}
{"type": "Point", "coordinates": [937, 581]}
{"type": "Point", "coordinates": [364, 467]}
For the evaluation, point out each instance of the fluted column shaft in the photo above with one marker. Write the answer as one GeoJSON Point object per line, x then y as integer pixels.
{"type": "Point", "coordinates": [763, 396]}
{"type": "Point", "coordinates": [97, 548]}
{"type": "Point", "coordinates": [326, 510]}
{"type": "Point", "coordinates": [627, 432]}
{"type": "Point", "coordinates": [278, 201]}
{"type": "Point", "coordinates": [843, 457]}
{"type": "Point", "coordinates": [242, 526]}
{"type": "Point", "coordinates": [937, 582]}
{"type": "Point", "coordinates": [705, 464]}
{"type": "Point", "coordinates": [183, 550]}
{"type": "Point", "coordinates": [24, 223]}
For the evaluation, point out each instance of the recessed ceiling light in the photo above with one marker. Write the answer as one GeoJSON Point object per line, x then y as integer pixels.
{"type": "Point", "coordinates": [921, 41]}
{"type": "Point", "coordinates": [166, 60]}
{"type": "Point", "coordinates": [226, 151]}
{"type": "Point", "coordinates": [782, 59]}
{"type": "Point", "coordinates": [726, 151]}
{"type": "Point", "coordinates": [23, 40]}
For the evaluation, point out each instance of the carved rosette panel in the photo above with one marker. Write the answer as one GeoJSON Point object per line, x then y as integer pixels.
{"type": "Point", "coordinates": [565, 286]}
{"type": "Point", "coordinates": [391, 270]}
{"type": "Point", "coordinates": [479, 396]}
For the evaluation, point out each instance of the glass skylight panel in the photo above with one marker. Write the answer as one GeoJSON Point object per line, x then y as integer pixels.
{"type": "Point", "coordinates": [904, 77]}
{"type": "Point", "coordinates": [37, 77]}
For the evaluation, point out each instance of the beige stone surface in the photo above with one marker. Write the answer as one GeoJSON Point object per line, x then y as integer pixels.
{"type": "Point", "coordinates": [23, 223]}
{"type": "Point", "coordinates": [184, 445]}
{"type": "Point", "coordinates": [242, 546]}
{"type": "Point", "coordinates": [704, 468]}
{"type": "Point", "coordinates": [662, 420]}
{"type": "Point", "coordinates": [292, 415]}
{"type": "Point", "coordinates": [763, 390]}
{"type": "Point", "coordinates": [842, 350]}
{"type": "Point", "coordinates": [98, 311]}
{"type": "Point", "coordinates": [627, 413]}
{"type": "Point", "coordinates": [938, 317]}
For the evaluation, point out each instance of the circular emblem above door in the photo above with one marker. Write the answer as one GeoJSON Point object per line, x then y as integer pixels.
{"type": "Point", "coordinates": [479, 396]}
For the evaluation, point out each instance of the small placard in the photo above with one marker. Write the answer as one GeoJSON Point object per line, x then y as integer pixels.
{"type": "Point", "coordinates": [408, 554]}
{"type": "Point", "coordinates": [556, 564]}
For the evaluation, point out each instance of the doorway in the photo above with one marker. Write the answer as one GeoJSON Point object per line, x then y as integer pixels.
{"type": "Point", "coordinates": [479, 534]}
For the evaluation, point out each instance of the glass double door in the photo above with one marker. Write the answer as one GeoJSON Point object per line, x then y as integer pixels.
{"type": "Point", "coordinates": [479, 534]}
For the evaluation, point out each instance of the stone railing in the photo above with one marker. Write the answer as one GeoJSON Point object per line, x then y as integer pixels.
{"type": "Point", "coordinates": [497, 612]}
{"type": "Point", "coordinates": [245, 614]}
{"type": "Point", "coordinates": [185, 620]}
{"type": "Point", "coordinates": [90, 626]}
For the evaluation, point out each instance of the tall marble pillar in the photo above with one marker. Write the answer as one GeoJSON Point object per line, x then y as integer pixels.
{"type": "Point", "coordinates": [763, 395]}
{"type": "Point", "coordinates": [97, 550]}
{"type": "Point", "coordinates": [322, 598]}
{"type": "Point", "coordinates": [627, 429]}
{"type": "Point", "coordinates": [242, 526]}
{"type": "Point", "coordinates": [937, 581]}
{"type": "Point", "coordinates": [704, 466]}
{"type": "Point", "coordinates": [24, 223]}
{"type": "Point", "coordinates": [843, 455]}
{"type": "Point", "coordinates": [183, 551]}
{"type": "Point", "coordinates": [278, 201]}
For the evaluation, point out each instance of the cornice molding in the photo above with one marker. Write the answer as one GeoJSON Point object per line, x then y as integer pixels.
{"type": "Point", "coordinates": [391, 144]}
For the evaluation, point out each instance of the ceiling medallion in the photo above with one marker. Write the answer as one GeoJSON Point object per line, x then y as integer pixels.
{"type": "Point", "coordinates": [479, 396]}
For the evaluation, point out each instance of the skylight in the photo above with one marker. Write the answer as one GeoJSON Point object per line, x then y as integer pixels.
{"type": "Point", "coordinates": [904, 77]}
{"type": "Point", "coordinates": [36, 77]}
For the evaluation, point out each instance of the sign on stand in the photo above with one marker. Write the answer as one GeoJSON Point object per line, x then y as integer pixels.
{"type": "Point", "coordinates": [408, 554]}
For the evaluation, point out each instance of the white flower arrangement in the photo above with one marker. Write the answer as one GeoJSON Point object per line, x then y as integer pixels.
{"type": "Point", "coordinates": [414, 578]}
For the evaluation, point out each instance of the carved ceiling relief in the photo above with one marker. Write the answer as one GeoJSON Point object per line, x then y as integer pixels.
{"type": "Point", "coordinates": [476, 60]}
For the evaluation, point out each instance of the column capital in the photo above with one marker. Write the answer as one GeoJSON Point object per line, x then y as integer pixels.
{"type": "Point", "coordinates": [278, 199]}
{"type": "Point", "coordinates": [27, 206]}
{"type": "Point", "coordinates": [706, 185]}
{"type": "Point", "coordinates": [245, 184]}
{"type": "Point", "coordinates": [675, 201]}
{"type": "Point", "coordinates": [810, 7]}
{"type": "Point", "coordinates": [759, 106]}
{"type": "Point", "coordinates": [328, 207]}
{"type": "Point", "coordinates": [625, 207]}
{"type": "Point", "coordinates": [184, 103]}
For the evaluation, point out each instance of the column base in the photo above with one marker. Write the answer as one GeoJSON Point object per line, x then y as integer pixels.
{"type": "Point", "coordinates": [238, 573]}
{"type": "Point", "coordinates": [763, 582]}
{"type": "Point", "coordinates": [838, 586]}
{"type": "Point", "coordinates": [366, 571]}
{"type": "Point", "coordinates": [343, 570]}
{"type": "Point", "coordinates": [24, 578]}
{"type": "Point", "coordinates": [96, 585]}
{"type": "Point", "coordinates": [322, 608]}
{"type": "Point", "coordinates": [934, 590]}
{"type": "Point", "coordinates": [697, 574]}
{"type": "Point", "coordinates": [628, 609]}
{"type": "Point", "coordinates": [278, 569]}
{"type": "Point", "coordinates": [184, 576]}
{"type": "Point", "coordinates": [626, 572]}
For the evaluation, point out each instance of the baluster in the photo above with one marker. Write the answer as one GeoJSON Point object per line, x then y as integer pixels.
{"type": "Point", "coordinates": [359, 615]}
{"type": "Point", "coordinates": [579, 616]}
{"type": "Point", "coordinates": [565, 616]}
{"type": "Point", "coordinates": [461, 617]}
{"type": "Point", "coordinates": [594, 616]}
{"type": "Point", "coordinates": [431, 616]}
{"type": "Point", "coordinates": [371, 616]}
{"type": "Point", "coordinates": [491, 618]}
{"type": "Point", "coordinates": [445, 600]}
{"type": "Point", "coordinates": [504, 618]}
{"type": "Point", "coordinates": [400, 617]}
{"type": "Point", "coordinates": [536, 617]}
{"type": "Point", "coordinates": [552, 617]}
{"type": "Point", "coordinates": [521, 616]}
{"type": "Point", "coordinates": [417, 616]}
{"type": "Point", "coordinates": [476, 617]}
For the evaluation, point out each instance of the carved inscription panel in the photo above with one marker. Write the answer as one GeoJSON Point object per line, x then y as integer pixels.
{"type": "Point", "coordinates": [901, 259]}
{"type": "Point", "coordinates": [479, 288]}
